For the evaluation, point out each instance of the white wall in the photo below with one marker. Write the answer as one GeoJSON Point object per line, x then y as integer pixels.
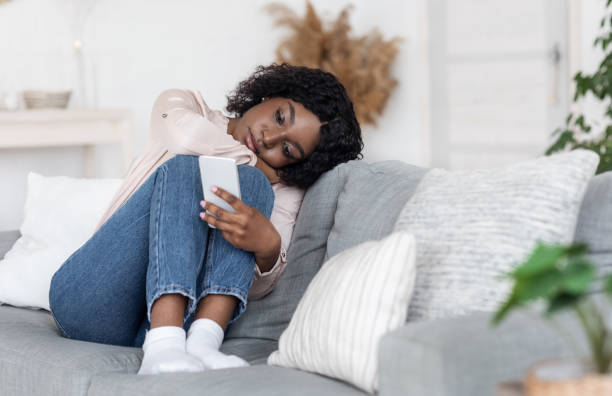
{"type": "Point", "coordinates": [584, 29]}
{"type": "Point", "coordinates": [497, 94]}
{"type": "Point", "coordinates": [135, 49]}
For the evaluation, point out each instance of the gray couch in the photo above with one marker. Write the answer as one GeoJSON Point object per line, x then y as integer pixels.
{"type": "Point", "coordinates": [352, 203]}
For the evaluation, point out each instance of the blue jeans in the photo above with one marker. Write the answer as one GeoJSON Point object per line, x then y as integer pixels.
{"type": "Point", "coordinates": [154, 244]}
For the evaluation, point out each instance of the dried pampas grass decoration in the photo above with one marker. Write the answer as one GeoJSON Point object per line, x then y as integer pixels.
{"type": "Point", "coordinates": [362, 64]}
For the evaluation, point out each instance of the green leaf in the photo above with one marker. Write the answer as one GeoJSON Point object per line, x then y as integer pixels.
{"type": "Point", "coordinates": [577, 276]}
{"type": "Point", "coordinates": [561, 301]}
{"type": "Point", "coordinates": [503, 311]}
{"type": "Point", "coordinates": [580, 122]}
{"type": "Point", "coordinates": [541, 286]}
{"type": "Point", "coordinates": [608, 285]}
{"type": "Point", "coordinates": [576, 249]}
{"type": "Point", "coordinates": [559, 274]}
{"type": "Point", "coordinates": [542, 259]}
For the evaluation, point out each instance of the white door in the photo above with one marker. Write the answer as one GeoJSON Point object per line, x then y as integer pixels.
{"type": "Point", "coordinates": [498, 79]}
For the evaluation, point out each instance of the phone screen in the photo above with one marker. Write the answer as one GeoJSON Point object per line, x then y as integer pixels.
{"type": "Point", "coordinates": [221, 172]}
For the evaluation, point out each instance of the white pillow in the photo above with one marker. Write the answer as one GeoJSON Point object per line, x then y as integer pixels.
{"type": "Point", "coordinates": [473, 226]}
{"type": "Point", "coordinates": [61, 214]}
{"type": "Point", "coordinates": [356, 297]}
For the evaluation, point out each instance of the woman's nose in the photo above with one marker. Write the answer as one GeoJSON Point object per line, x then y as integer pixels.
{"type": "Point", "coordinates": [270, 138]}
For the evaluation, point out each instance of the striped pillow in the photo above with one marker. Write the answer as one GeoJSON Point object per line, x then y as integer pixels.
{"type": "Point", "coordinates": [356, 297]}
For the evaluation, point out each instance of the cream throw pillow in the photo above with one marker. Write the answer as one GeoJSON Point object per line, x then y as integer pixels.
{"type": "Point", "coordinates": [473, 226]}
{"type": "Point", "coordinates": [61, 214]}
{"type": "Point", "coordinates": [356, 297]}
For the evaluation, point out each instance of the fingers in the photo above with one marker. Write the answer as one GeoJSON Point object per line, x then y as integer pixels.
{"type": "Point", "coordinates": [228, 230]}
{"type": "Point", "coordinates": [218, 212]}
{"type": "Point", "coordinates": [232, 225]}
{"type": "Point", "coordinates": [213, 221]}
{"type": "Point", "coordinates": [217, 223]}
{"type": "Point", "coordinates": [231, 199]}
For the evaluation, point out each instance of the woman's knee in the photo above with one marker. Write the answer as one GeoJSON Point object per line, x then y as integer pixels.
{"type": "Point", "coordinates": [182, 172]}
{"type": "Point", "coordinates": [181, 162]}
{"type": "Point", "coordinates": [256, 189]}
{"type": "Point", "coordinates": [255, 177]}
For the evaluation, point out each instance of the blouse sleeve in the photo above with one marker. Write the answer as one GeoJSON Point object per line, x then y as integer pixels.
{"type": "Point", "coordinates": [287, 204]}
{"type": "Point", "coordinates": [185, 125]}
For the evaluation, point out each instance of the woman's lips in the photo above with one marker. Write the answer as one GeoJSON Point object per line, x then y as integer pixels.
{"type": "Point", "coordinates": [250, 142]}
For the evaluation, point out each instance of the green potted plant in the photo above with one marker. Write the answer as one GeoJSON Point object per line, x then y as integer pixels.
{"type": "Point", "coordinates": [578, 132]}
{"type": "Point", "coordinates": [563, 278]}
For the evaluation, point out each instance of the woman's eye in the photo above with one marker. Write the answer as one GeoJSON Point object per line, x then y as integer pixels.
{"type": "Point", "coordinates": [286, 150]}
{"type": "Point", "coordinates": [279, 117]}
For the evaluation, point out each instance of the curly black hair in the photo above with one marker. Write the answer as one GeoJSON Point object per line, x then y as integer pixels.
{"type": "Point", "coordinates": [322, 94]}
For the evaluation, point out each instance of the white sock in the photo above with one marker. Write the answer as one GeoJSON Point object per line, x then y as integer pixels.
{"type": "Point", "coordinates": [203, 341]}
{"type": "Point", "coordinates": [164, 352]}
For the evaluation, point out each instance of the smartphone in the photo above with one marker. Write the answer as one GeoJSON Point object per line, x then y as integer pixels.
{"type": "Point", "coordinates": [222, 172]}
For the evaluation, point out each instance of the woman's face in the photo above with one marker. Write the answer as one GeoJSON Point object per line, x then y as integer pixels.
{"type": "Point", "coordinates": [279, 131]}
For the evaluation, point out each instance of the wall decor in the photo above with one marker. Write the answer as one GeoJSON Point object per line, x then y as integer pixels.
{"type": "Point", "coordinates": [361, 63]}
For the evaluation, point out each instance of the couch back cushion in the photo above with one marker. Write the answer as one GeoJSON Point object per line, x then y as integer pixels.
{"type": "Point", "coordinates": [352, 203]}
{"type": "Point", "coordinates": [368, 205]}
{"type": "Point", "coordinates": [7, 240]}
{"type": "Point", "coordinates": [595, 221]}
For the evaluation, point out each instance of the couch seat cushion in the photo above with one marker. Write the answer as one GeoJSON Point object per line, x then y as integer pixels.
{"type": "Point", "coordinates": [36, 360]}
{"type": "Point", "coordinates": [255, 380]}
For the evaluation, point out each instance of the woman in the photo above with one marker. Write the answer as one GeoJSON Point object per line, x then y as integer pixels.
{"type": "Point", "coordinates": [154, 267]}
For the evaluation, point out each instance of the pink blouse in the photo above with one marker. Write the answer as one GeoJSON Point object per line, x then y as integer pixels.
{"type": "Point", "coordinates": [181, 123]}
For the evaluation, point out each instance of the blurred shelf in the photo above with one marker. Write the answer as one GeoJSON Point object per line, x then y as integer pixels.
{"type": "Point", "coordinates": [56, 128]}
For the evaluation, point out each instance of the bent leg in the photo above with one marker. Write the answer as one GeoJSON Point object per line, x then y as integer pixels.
{"type": "Point", "coordinates": [228, 270]}
{"type": "Point", "coordinates": [98, 293]}
{"type": "Point", "coordinates": [225, 280]}
{"type": "Point", "coordinates": [104, 291]}
{"type": "Point", "coordinates": [177, 235]}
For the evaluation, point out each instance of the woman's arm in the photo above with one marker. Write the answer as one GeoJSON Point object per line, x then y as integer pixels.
{"type": "Point", "coordinates": [266, 260]}
{"type": "Point", "coordinates": [183, 123]}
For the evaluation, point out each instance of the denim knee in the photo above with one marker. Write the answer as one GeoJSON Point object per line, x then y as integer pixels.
{"type": "Point", "coordinates": [256, 189]}
{"type": "Point", "coordinates": [182, 161]}
{"type": "Point", "coordinates": [253, 174]}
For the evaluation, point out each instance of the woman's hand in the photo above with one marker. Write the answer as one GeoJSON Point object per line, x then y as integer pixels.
{"type": "Point", "coordinates": [247, 229]}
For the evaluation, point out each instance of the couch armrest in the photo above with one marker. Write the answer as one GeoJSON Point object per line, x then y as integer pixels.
{"type": "Point", "coordinates": [466, 356]}
{"type": "Point", "coordinates": [7, 240]}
